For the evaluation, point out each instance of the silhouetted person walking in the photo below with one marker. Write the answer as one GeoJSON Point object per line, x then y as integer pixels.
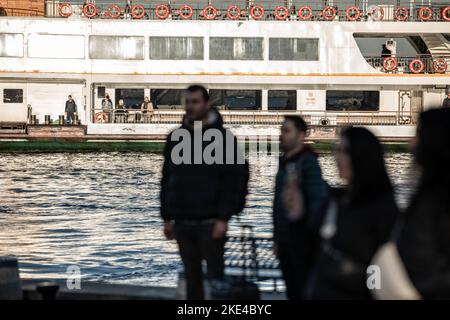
{"type": "Point", "coordinates": [300, 192]}
{"type": "Point", "coordinates": [198, 195]}
{"type": "Point", "coordinates": [358, 220]}
{"type": "Point", "coordinates": [424, 242]}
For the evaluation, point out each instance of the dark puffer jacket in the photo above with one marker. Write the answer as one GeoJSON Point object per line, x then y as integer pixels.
{"type": "Point", "coordinates": [424, 244]}
{"type": "Point", "coordinates": [192, 191]}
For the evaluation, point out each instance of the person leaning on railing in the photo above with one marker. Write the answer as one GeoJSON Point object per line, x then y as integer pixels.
{"type": "Point", "coordinates": [147, 109]}
{"type": "Point", "coordinates": [107, 106]}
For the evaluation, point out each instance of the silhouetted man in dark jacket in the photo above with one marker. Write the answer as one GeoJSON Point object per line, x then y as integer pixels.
{"type": "Point", "coordinates": [204, 183]}
{"type": "Point", "coordinates": [300, 195]}
{"type": "Point", "coordinates": [446, 102]}
{"type": "Point", "coordinates": [70, 110]}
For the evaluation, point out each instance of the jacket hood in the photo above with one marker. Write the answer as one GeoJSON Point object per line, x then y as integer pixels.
{"type": "Point", "coordinates": [214, 120]}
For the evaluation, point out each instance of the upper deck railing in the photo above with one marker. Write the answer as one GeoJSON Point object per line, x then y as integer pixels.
{"type": "Point", "coordinates": [419, 64]}
{"type": "Point", "coordinates": [341, 10]}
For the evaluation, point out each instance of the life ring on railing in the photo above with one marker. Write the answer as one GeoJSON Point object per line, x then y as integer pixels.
{"type": "Point", "coordinates": [416, 66]}
{"type": "Point", "coordinates": [114, 11]}
{"type": "Point", "coordinates": [65, 10]}
{"type": "Point", "coordinates": [425, 13]}
{"type": "Point", "coordinates": [89, 10]}
{"type": "Point", "coordinates": [281, 13]}
{"type": "Point", "coordinates": [401, 14]}
{"type": "Point", "coordinates": [390, 64]}
{"type": "Point", "coordinates": [446, 14]}
{"type": "Point", "coordinates": [329, 13]}
{"type": "Point", "coordinates": [233, 12]}
{"type": "Point", "coordinates": [100, 117]}
{"type": "Point", "coordinates": [352, 13]}
{"type": "Point", "coordinates": [376, 13]}
{"type": "Point", "coordinates": [440, 65]}
{"type": "Point", "coordinates": [137, 11]}
{"type": "Point", "coordinates": [305, 13]}
{"type": "Point", "coordinates": [186, 12]}
{"type": "Point", "coordinates": [209, 12]}
{"type": "Point", "coordinates": [162, 11]}
{"type": "Point", "coordinates": [257, 12]}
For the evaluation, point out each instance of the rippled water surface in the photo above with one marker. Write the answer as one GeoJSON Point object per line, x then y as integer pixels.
{"type": "Point", "coordinates": [100, 211]}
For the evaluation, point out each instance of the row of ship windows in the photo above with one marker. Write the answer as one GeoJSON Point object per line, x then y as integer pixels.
{"type": "Point", "coordinates": [161, 48]}
{"type": "Point", "coordinates": [234, 99]}
{"type": "Point", "coordinates": [338, 100]}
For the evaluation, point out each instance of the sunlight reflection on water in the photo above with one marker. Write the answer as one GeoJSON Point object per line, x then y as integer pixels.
{"type": "Point", "coordinates": [100, 212]}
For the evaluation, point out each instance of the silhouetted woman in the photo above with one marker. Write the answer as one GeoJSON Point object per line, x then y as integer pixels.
{"type": "Point", "coordinates": [424, 243]}
{"type": "Point", "coordinates": [358, 220]}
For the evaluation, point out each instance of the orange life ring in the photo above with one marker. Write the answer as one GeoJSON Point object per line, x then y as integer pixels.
{"type": "Point", "coordinates": [401, 14]}
{"type": "Point", "coordinates": [425, 13]}
{"type": "Point", "coordinates": [416, 66]}
{"type": "Point", "coordinates": [137, 11]}
{"type": "Point", "coordinates": [65, 10]}
{"type": "Point", "coordinates": [352, 13]}
{"type": "Point", "coordinates": [186, 12]}
{"type": "Point", "coordinates": [281, 13]}
{"type": "Point", "coordinates": [446, 14]}
{"type": "Point", "coordinates": [89, 10]}
{"type": "Point", "coordinates": [329, 13]}
{"type": "Point", "coordinates": [209, 12]}
{"type": "Point", "coordinates": [390, 64]}
{"type": "Point", "coordinates": [114, 11]}
{"type": "Point", "coordinates": [101, 117]}
{"type": "Point", "coordinates": [440, 65]}
{"type": "Point", "coordinates": [301, 13]}
{"type": "Point", "coordinates": [257, 12]}
{"type": "Point", "coordinates": [162, 11]}
{"type": "Point", "coordinates": [233, 12]}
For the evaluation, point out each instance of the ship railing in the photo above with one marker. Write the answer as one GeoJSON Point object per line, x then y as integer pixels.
{"type": "Point", "coordinates": [337, 10]}
{"type": "Point", "coordinates": [269, 118]}
{"type": "Point", "coordinates": [431, 64]}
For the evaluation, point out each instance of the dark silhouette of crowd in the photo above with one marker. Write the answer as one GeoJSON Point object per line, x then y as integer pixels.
{"type": "Point", "coordinates": [350, 242]}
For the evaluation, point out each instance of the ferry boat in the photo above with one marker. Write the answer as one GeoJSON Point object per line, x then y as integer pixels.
{"type": "Point", "coordinates": [260, 60]}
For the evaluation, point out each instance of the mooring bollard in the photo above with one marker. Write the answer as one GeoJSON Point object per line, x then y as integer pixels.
{"type": "Point", "coordinates": [33, 119]}
{"type": "Point", "coordinates": [47, 119]}
{"type": "Point", "coordinates": [61, 120]}
{"type": "Point", "coordinates": [75, 119]}
{"type": "Point", "coordinates": [10, 286]}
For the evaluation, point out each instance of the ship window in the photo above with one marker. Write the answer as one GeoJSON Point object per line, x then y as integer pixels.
{"type": "Point", "coordinates": [353, 100]}
{"type": "Point", "coordinates": [114, 47]}
{"type": "Point", "coordinates": [11, 45]}
{"type": "Point", "coordinates": [132, 98]}
{"type": "Point", "coordinates": [236, 99]}
{"type": "Point", "coordinates": [167, 98]}
{"type": "Point", "coordinates": [282, 100]}
{"type": "Point", "coordinates": [297, 49]}
{"type": "Point", "coordinates": [236, 48]}
{"type": "Point", "coordinates": [12, 96]}
{"type": "Point", "coordinates": [55, 46]}
{"type": "Point", "coordinates": [176, 48]}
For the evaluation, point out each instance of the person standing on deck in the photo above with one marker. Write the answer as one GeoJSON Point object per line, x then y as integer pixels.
{"type": "Point", "coordinates": [300, 194]}
{"type": "Point", "coordinates": [385, 52]}
{"type": "Point", "coordinates": [199, 196]}
{"type": "Point", "coordinates": [70, 110]}
{"type": "Point", "coordinates": [446, 102]}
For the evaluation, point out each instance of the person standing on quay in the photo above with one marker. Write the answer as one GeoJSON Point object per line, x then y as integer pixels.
{"type": "Point", "coordinates": [424, 241]}
{"type": "Point", "coordinates": [199, 197]}
{"type": "Point", "coordinates": [70, 110]}
{"type": "Point", "coordinates": [300, 193]}
{"type": "Point", "coordinates": [358, 220]}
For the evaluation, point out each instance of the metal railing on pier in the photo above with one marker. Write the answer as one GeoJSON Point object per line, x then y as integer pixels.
{"type": "Point", "coordinates": [331, 10]}
{"type": "Point", "coordinates": [275, 118]}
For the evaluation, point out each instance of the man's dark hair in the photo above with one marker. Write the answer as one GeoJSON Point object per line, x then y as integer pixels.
{"type": "Point", "coordinates": [298, 122]}
{"type": "Point", "coordinates": [196, 88]}
{"type": "Point", "coordinates": [70, 96]}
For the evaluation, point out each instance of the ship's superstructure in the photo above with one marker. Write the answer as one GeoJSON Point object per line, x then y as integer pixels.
{"type": "Point", "coordinates": [259, 61]}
